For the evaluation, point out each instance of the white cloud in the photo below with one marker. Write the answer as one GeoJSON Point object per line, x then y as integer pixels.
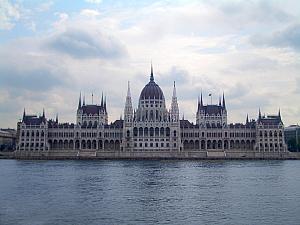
{"type": "Point", "coordinates": [9, 14]}
{"type": "Point", "coordinates": [94, 1]}
{"type": "Point", "coordinates": [89, 13]}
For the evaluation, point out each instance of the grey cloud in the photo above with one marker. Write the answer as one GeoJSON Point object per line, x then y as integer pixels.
{"type": "Point", "coordinates": [260, 11]}
{"type": "Point", "coordinates": [83, 44]}
{"type": "Point", "coordinates": [39, 79]}
{"type": "Point", "coordinates": [174, 74]}
{"type": "Point", "coordinates": [288, 37]}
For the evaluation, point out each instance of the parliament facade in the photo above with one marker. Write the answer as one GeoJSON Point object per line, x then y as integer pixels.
{"type": "Point", "coordinates": [151, 127]}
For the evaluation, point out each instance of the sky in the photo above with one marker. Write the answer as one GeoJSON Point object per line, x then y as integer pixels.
{"type": "Point", "coordinates": [50, 51]}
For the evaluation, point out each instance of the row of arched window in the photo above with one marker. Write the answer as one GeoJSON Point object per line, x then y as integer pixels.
{"type": "Point", "coordinates": [33, 133]}
{"type": "Point", "coordinates": [157, 132]}
{"type": "Point", "coordinates": [270, 133]}
{"type": "Point", "coordinates": [217, 144]}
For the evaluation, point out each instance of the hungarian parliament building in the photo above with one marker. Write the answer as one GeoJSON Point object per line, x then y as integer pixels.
{"type": "Point", "coordinates": [151, 127]}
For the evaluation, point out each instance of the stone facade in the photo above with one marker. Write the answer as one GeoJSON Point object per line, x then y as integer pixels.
{"type": "Point", "coordinates": [152, 127]}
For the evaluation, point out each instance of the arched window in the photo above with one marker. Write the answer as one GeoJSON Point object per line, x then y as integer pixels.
{"type": "Point", "coordinates": [151, 131]}
{"type": "Point", "coordinates": [151, 115]}
{"type": "Point", "coordinates": [174, 133]}
{"type": "Point", "coordinates": [140, 131]}
{"type": "Point", "coordinates": [146, 131]}
{"type": "Point", "coordinates": [168, 132]}
{"type": "Point", "coordinates": [135, 132]}
{"type": "Point", "coordinates": [128, 133]}
{"type": "Point", "coordinates": [162, 131]}
{"type": "Point", "coordinates": [156, 131]}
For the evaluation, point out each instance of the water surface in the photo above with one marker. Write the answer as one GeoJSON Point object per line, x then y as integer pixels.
{"type": "Point", "coordinates": [149, 192]}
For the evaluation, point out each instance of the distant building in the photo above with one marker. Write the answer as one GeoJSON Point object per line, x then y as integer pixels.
{"type": "Point", "coordinates": [151, 127]}
{"type": "Point", "coordinates": [7, 139]}
{"type": "Point", "coordinates": [292, 137]}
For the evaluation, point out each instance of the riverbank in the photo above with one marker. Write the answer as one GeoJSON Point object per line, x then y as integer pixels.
{"type": "Point", "coordinates": [151, 155]}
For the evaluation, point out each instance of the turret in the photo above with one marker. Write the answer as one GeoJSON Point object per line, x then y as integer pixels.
{"type": "Point", "coordinates": [151, 74]}
{"type": "Point", "coordinates": [101, 100]}
{"type": "Point", "coordinates": [105, 104]}
{"type": "Point", "coordinates": [24, 114]}
{"type": "Point", "coordinates": [128, 111]}
{"type": "Point", "coordinates": [79, 102]}
{"type": "Point", "coordinates": [224, 106]}
{"type": "Point", "coordinates": [174, 106]}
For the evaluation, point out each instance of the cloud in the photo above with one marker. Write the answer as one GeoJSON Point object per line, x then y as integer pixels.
{"type": "Point", "coordinates": [80, 43]}
{"type": "Point", "coordinates": [9, 14]}
{"type": "Point", "coordinates": [180, 76]}
{"type": "Point", "coordinates": [89, 13]}
{"type": "Point", "coordinates": [94, 1]}
{"type": "Point", "coordinates": [288, 37]}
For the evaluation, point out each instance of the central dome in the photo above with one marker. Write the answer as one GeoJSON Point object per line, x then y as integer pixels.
{"type": "Point", "coordinates": [152, 90]}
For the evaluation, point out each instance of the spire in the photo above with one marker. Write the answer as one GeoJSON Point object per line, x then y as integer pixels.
{"type": "Point", "coordinates": [174, 106]}
{"type": "Point", "coordinates": [224, 106]}
{"type": "Point", "coordinates": [219, 100]}
{"type": "Point", "coordinates": [79, 102]}
{"type": "Point", "coordinates": [43, 113]}
{"type": "Point", "coordinates": [279, 114]}
{"type": "Point", "coordinates": [24, 114]}
{"type": "Point", "coordinates": [198, 103]}
{"type": "Point", "coordinates": [102, 100]}
{"type": "Point", "coordinates": [259, 114]}
{"type": "Point", "coordinates": [151, 74]}
{"type": "Point", "coordinates": [201, 101]}
{"type": "Point", "coordinates": [83, 100]}
{"type": "Point", "coordinates": [128, 110]}
{"type": "Point", "coordinates": [104, 103]}
{"type": "Point", "coordinates": [128, 89]}
{"type": "Point", "coordinates": [247, 119]}
{"type": "Point", "coordinates": [56, 120]}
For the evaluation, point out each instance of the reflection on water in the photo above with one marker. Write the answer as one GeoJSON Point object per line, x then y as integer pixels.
{"type": "Point", "coordinates": [148, 192]}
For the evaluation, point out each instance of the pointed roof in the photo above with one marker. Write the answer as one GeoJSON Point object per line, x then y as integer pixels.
{"type": "Point", "coordinates": [101, 100]}
{"type": "Point", "coordinates": [174, 90]}
{"type": "Point", "coordinates": [104, 103]}
{"type": "Point", "coordinates": [79, 102]}
{"type": "Point", "coordinates": [151, 74]}
{"type": "Point", "coordinates": [201, 101]}
{"type": "Point", "coordinates": [128, 89]}
{"type": "Point", "coordinates": [24, 114]}
{"type": "Point", "coordinates": [224, 106]}
{"type": "Point", "coordinates": [279, 114]}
